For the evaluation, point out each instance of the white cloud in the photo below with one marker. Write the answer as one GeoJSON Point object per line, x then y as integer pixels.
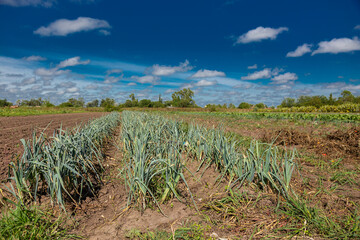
{"type": "Point", "coordinates": [52, 72]}
{"type": "Point", "coordinates": [207, 73]}
{"type": "Point", "coordinates": [72, 90]}
{"type": "Point", "coordinates": [63, 27]}
{"type": "Point", "coordinates": [284, 78]}
{"type": "Point", "coordinates": [263, 74]}
{"type": "Point", "coordinates": [161, 70]}
{"type": "Point", "coordinates": [105, 32]}
{"type": "Point", "coordinates": [146, 79]}
{"type": "Point", "coordinates": [252, 66]}
{"type": "Point", "coordinates": [111, 71]}
{"type": "Point", "coordinates": [260, 33]}
{"type": "Point", "coordinates": [131, 84]}
{"type": "Point", "coordinates": [338, 45]}
{"type": "Point", "coordinates": [72, 62]}
{"type": "Point", "coordinates": [205, 83]}
{"type": "Point", "coordinates": [24, 3]}
{"type": "Point", "coordinates": [34, 58]}
{"type": "Point", "coordinates": [357, 27]}
{"type": "Point", "coordinates": [300, 50]}
{"type": "Point", "coordinates": [28, 81]}
{"type": "Point", "coordinates": [112, 79]}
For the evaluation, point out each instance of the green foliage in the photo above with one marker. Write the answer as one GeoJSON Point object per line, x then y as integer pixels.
{"type": "Point", "coordinates": [145, 103]}
{"type": "Point", "coordinates": [94, 103]}
{"type": "Point", "coordinates": [312, 219]}
{"type": "Point", "coordinates": [154, 165]}
{"type": "Point", "coordinates": [260, 106]}
{"type": "Point", "coordinates": [108, 104]}
{"type": "Point", "coordinates": [320, 102]}
{"type": "Point", "coordinates": [292, 116]}
{"type": "Point", "coordinates": [67, 167]}
{"type": "Point", "coordinates": [72, 102]}
{"type": "Point", "coordinates": [288, 103]}
{"type": "Point", "coordinates": [5, 103]}
{"type": "Point", "coordinates": [193, 231]}
{"type": "Point", "coordinates": [31, 223]}
{"type": "Point", "coordinates": [27, 111]}
{"type": "Point", "coordinates": [34, 102]}
{"type": "Point", "coordinates": [244, 105]}
{"type": "Point", "coordinates": [183, 98]}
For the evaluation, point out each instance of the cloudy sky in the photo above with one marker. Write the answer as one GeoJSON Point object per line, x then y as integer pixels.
{"type": "Point", "coordinates": [224, 50]}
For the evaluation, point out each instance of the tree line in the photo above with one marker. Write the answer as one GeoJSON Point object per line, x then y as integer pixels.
{"type": "Point", "coordinates": [184, 98]}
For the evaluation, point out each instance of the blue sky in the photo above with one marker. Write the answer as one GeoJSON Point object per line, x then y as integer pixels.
{"type": "Point", "coordinates": [225, 51]}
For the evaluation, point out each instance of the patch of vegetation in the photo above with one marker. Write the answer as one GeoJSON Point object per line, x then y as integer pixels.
{"type": "Point", "coordinates": [194, 231]}
{"type": "Point", "coordinates": [32, 223]}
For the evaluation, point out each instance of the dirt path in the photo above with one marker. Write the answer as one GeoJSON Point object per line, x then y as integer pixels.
{"type": "Point", "coordinates": [12, 129]}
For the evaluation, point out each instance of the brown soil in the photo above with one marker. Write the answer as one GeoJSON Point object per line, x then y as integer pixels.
{"type": "Point", "coordinates": [12, 129]}
{"type": "Point", "coordinates": [335, 144]}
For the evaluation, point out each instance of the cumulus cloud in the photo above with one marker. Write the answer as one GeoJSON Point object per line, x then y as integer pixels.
{"type": "Point", "coordinates": [63, 27]}
{"type": "Point", "coordinates": [34, 58]}
{"type": "Point", "coordinates": [72, 62]}
{"type": "Point", "coordinates": [146, 79]}
{"type": "Point", "coordinates": [105, 32]}
{"type": "Point", "coordinates": [263, 74]}
{"type": "Point", "coordinates": [205, 83]}
{"type": "Point", "coordinates": [204, 73]}
{"type": "Point", "coordinates": [49, 74]}
{"type": "Point", "coordinates": [300, 50]}
{"type": "Point", "coordinates": [161, 70]}
{"type": "Point", "coordinates": [14, 75]}
{"type": "Point", "coordinates": [252, 66]}
{"type": "Point", "coordinates": [112, 79]}
{"type": "Point", "coordinates": [338, 45]}
{"type": "Point", "coordinates": [357, 27]}
{"type": "Point", "coordinates": [113, 75]}
{"type": "Point", "coordinates": [28, 81]}
{"type": "Point", "coordinates": [24, 3]}
{"type": "Point", "coordinates": [52, 72]}
{"type": "Point", "coordinates": [72, 90]}
{"type": "Point", "coordinates": [284, 78]}
{"type": "Point", "coordinates": [260, 33]}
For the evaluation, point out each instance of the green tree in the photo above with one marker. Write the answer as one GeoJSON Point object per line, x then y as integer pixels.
{"type": "Point", "coordinates": [183, 98]}
{"type": "Point", "coordinates": [5, 103]}
{"type": "Point", "coordinates": [288, 102]}
{"type": "Point", "coordinates": [108, 104]}
{"type": "Point", "coordinates": [94, 103]}
{"type": "Point", "coordinates": [73, 102]}
{"type": "Point", "coordinates": [347, 97]}
{"type": "Point", "coordinates": [231, 106]}
{"type": "Point", "coordinates": [245, 105]}
{"type": "Point", "coordinates": [145, 103]}
{"type": "Point", "coordinates": [260, 105]}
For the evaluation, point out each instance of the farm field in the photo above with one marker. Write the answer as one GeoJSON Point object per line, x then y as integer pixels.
{"type": "Point", "coordinates": [29, 111]}
{"type": "Point", "coordinates": [12, 129]}
{"type": "Point", "coordinates": [174, 175]}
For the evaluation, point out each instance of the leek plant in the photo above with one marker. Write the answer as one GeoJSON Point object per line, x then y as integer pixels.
{"type": "Point", "coordinates": [156, 150]}
{"type": "Point", "coordinates": [154, 164]}
{"type": "Point", "coordinates": [66, 166]}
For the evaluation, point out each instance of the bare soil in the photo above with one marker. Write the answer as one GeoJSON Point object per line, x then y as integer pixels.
{"type": "Point", "coordinates": [12, 129]}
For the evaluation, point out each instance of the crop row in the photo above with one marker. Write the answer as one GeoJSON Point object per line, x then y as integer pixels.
{"type": "Point", "coordinates": [157, 150]}
{"type": "Point", "coordinates": [336, 117]}
{"type": "Point", "coordinates": [343, 108]}
{"type": "Point", "coordinates": [65, 166]}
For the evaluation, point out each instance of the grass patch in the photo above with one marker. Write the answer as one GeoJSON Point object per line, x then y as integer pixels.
{"type": "Point", "coordinates": [32, 223]}
{"type": "Point", "coordinates": [28, 111]}
{"type": "Point", "coordinates": [194, 231]}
